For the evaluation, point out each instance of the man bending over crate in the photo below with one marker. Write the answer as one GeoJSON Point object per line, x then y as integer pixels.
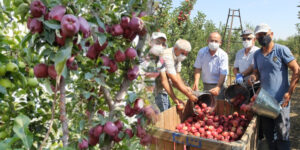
{"type": "Point", "coordinates": [170, 60]}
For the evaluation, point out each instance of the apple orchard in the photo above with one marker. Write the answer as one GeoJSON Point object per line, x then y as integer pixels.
{"type": "Point", "coordinates": [69, 74]}
{"type": "Point", "coordinates": [67, 81]}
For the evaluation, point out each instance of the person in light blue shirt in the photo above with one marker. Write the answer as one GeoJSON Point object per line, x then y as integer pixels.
{"type": "Point", "coordinates": [271, 64]}
{"type": "Point", "coordinates": [243, 63]}
{"type": "Point", "coordinates": [212, 63]}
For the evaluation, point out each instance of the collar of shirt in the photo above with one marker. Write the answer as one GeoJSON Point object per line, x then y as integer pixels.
{"type": "Point", "coordinates": [173, 52]}
{"type": "Point", "coordinates": [217, 54]}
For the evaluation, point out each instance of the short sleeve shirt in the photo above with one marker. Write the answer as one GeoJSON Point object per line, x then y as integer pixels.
{"type": "Point", "coordinates": [211, 66]}
{"type": "Point", "coordinates": [273, 70]}
{"type": "Point", "coordinates": [242, 61]}
{"type": "Point", "coordinates": [171, 65]}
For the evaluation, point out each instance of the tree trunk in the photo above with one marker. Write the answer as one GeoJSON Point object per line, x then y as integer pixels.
{"type": "Point", "coordinates": [63, 116]}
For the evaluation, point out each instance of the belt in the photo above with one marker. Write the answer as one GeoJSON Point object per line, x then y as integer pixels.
{"type": "Point", "coordinates": [210, 83]}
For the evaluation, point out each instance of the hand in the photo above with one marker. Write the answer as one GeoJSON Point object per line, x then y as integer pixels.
{"type": "Point", "coordinates": [251, 79]}
{"type": "Point", "coordinates": [193, 98]}
{"type": "Point", "coordinates": [189, 89]}
{"type": "Point", "coordinates": [195, 87]}
{"type": "Point", "coordinates": [178, 101]}
{"type": "Point", "coordinates": [215, 91]}
{"type": "Point", "coordinates": [286, 99]}
{"type": "Point", "coordinates": [239, 78]}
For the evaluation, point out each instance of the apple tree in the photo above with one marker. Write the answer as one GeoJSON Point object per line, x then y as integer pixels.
{"type": "Point", "coordinates": [68, 73]}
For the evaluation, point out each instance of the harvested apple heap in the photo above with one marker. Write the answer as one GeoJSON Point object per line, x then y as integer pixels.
{"type": "Point", "coordinates": [71, 26]}
{"type": "Point", "coordinates": [247, 107]}
{"type": "Point", "coordinates": [209, 125]}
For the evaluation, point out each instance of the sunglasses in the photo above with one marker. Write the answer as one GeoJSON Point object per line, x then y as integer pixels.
{"type": "Point", "coordinates": [248, 39]}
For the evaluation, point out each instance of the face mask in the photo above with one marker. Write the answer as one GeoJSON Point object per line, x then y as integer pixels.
{"type": "Point", "coordinates": [264, 40]}
{"type": "Point", "coordinates": [247, 44]}
{"type": "Point", "coordinates": [213, 46]}
{"type": "Point", "coordinates": [156, 50]}
{"type": "Point", "coordinates": [181, 58]}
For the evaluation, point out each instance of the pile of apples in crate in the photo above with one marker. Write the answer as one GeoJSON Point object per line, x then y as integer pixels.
{"type": "Point", "coordinates": [209, 125]}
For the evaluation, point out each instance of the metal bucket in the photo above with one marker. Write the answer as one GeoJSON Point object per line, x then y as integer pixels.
{"type": "Point", "coordinates": [206, 97]}
{"type": "Point", "coordinates": [266, 105]}
{"type": "Point", "coordinates": [233, 91]}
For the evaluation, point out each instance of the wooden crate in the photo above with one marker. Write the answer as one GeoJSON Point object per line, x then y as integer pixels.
{"type": "Point", "coordinates": [167, 139]}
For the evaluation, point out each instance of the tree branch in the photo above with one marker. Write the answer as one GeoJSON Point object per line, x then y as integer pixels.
{"type": "Point", "coordinates": [124, 88]}
{"type": "Point", "coordinates": [63, 116]}
{"type": "Point", "coordinates": [108, 98]}
{"type": "Point", "coordinates": [52, 118]}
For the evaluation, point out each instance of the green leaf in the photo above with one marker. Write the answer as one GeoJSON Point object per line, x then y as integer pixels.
{"type": "Point", "coordinates": [3, 58]}
{"type": "Point", "coordinates": [100, 82]}
{"type": "Point", "coordinates": [101, 139]}
{"type": "Point", "coordinates": [6, 3]}
{"type": "Point", "coordinates": [49, 36]}
{"type": "Point", "coordinates": [61, 58]}
{"type": "Point", "coordinates": [101, 38]}
{"type": "Point", "coordinates": [4, 146]}
{"type": "Point", "coordinates": [132, 97]}
{"type": "Point", "coordinates": [131, 2]}
{"type": "Point", "coordinates": [81, 125]}
{"type": "Point", "coordinates": [121, 135]}
{"type": "Point", "coordinates": [21, 130]}
{"type": "Point", "coordinates": [86, 95]}
{"type": "Point", "coordinates": [22, 9]}
{"type": "Point", "coordinates": [88, 75]}
{"type": "Point", "coordinates": [100, 23]}
{"type": "Point", "coordinates": [47, 86]}
{"type": "Point", "coordinates": [52, 24]}
{"type": "Point", "coordinates": [3, 90]}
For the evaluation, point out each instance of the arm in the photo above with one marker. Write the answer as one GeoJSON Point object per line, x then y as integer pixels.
{"type": "Point", "coordinates": [235, 71]}
{"type": "Point", "coordinates": [253, 77]}
{"type": "Point", "coordinates": [223, 73]}
{"type": "Point", "coordinates": [196, 79]}
{"type": "Point", "coordinates": [168, 88]}
{"type": "Point", "coordinates": [181, 87]}
{"type": "Point", "coordinates": [294, 80]}
{"type": "Point", "coordinates": [248, 71]}
{"type": "Point", "coordinates": [180, 80]}
{"type": "Point", "coordinates": [215, 91]}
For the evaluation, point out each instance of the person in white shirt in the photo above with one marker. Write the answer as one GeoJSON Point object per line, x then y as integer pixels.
{"type": "Point", "coordinates": [168, 66]}
{"type": "Point", "coordinates": [212, 63]}
{"type": "Point", "coordinates": [243, 63]}
{"type": "Point", "coordinates": [172, 58]}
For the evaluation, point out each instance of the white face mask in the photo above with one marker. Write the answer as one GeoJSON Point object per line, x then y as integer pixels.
{"type": "Point", "coordinates": [247, 43]}
{"type": "Point", "coordinates": [156, 50]}
{"type": "Point", "coordinates": [181, 58]}
{"type": "Point", "coordinates": [213, 46]}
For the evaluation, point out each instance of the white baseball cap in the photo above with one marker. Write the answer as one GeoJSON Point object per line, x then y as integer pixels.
{"type": "Point", "coordinates": [156, 35]}
{"type": "Point", "coordinates": [262, 28]}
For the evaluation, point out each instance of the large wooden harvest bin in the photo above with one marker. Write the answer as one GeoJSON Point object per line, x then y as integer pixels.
{"type": "Point", "coordinates": [167, 139]}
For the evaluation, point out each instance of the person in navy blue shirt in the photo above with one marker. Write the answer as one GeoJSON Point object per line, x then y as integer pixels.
{"type": "Point", "coordinates": [271, 64]}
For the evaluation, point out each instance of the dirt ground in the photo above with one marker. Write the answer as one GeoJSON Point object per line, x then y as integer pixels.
{"type": "Point", "coordinates": [295, 120]}
{"type": "Point", "coordinates": [295, 123]}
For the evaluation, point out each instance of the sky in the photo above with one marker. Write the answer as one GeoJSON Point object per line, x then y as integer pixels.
{"type": "Point", "coordinates": [280, 15]}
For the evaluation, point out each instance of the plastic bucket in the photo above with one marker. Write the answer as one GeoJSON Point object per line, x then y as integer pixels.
{"type": "Point", "coordinates": [266, 105]}
{"type": "Point", "coordinates": [237, 94]}
{"type": "Point", "coordinates": [206, 97]}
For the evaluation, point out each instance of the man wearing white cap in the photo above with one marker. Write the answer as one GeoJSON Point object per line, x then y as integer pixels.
{"type": "Point", "coordinates": [243, 63]}
{"type": "Point", "coordinates": [271, 64]}
{"type": "Point", "coordinates": [212, 63]}
{"type": "Point", "coordinates": [169, 66]}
